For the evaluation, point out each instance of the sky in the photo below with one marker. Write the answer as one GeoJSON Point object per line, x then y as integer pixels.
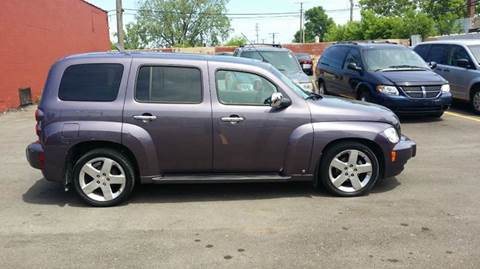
{"type": "Point", "coordinates": [285, 27]}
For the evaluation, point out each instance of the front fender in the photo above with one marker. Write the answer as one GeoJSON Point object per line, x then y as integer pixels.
{"type": "Point", "coordinates": [299, 150]}
{"type": "Point", "coordinates": [326, 133]}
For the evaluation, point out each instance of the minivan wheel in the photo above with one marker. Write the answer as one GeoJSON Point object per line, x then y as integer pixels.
{"type": "Point", "coordinates": [103, 177]}
{"type": "Point", "coordinates": [364, 96]}
{"type": "Point", "coordinates": [349, 169]}
{"type": "Point", "coordinates": [476, 102]}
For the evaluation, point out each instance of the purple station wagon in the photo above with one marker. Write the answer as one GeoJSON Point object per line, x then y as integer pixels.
{"type": "Point", "coordinates": [109, 121]}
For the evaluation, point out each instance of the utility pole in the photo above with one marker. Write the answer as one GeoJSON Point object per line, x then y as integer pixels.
{"type": "Point", "coordinates": [302, 32]}
{"type": "Point", "coordinates": [471, 8]}
{"type": "Point", "coordinates": [351, 10]}
{"type": "Point", "coordinates": [273, 37]}
{"type": "Point", "coordinates": [120, 24]}
{"type": "Point", "coordinates": [256, 30]}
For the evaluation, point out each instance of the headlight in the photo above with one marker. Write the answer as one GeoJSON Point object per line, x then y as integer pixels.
{"type": "Point", "coordinates": [390, 90]}
{"type": "Point", "coordinates": [446, 88]}
{"type": "Point", "coordinates": [308, 86]}
{"type": "Point", "coordinates": [392, 135]}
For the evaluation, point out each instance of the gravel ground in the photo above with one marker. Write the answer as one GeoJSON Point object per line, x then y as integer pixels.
{"type": "Point", "coordinates": [427, 217]}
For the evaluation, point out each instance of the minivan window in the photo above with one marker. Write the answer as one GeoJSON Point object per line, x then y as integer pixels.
{"type": "Point", "coordinates": [439, 54]}
{"type": "Point", "coordinates": [334, 56]}
{"type": "Point", "coordinates": [392, 57]}
{"type": "Point", "coordinates": [476, 52]}
{"type": "Point", "coordinates": [241, 88]}
{"type": "Point", "coordinates": [169, 84]}
{"type": "Point", "coordinates": [282, 60]}
{"type": "Point", "coordinates": [422, 50]}
{"type": "Point", "coordinates": [91, 82]}
{"type": "Point", "coordinates": [353, 56]}
{"type": "Point", "coordinates": [458, 53]}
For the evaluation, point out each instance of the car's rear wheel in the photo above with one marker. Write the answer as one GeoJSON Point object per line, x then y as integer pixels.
{"type": "Point", "coordinates": [103, 177]}
{"type": "Point", "coordinates": [476, 101]}
{"type": "Point", "coordinates": [349, 169]}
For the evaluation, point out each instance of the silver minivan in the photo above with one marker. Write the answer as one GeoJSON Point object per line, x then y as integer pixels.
{"type": "Point", "coordinates": [458, 62]}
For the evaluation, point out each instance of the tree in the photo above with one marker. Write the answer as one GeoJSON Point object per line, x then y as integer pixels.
{"type": "Point", "coordinates": [236, 41]}
{"type": "Point", "coordinates": [388, 7]}
{"type": "Point", "coordinates": [317, 23]}
{"type": "Point", "coordinates": [179, 23]}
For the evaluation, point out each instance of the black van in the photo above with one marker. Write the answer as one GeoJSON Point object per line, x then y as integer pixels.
{"type": "Point", "coordinates": [384, 73]}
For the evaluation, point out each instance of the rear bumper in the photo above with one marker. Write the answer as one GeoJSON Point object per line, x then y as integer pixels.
{"type": "Point", "coordinates": [407, 106]}
{"type": "Point", "coordinates": [35, 155]}
{"type": "Point", "coordinates": [405, 150]}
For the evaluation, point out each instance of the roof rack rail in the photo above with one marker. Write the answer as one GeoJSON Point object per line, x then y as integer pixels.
{"type": "Point", "coordinates": [347, 42]}
{"type": "Point", "coordinates": [262, 45]}
{"type": "Point", "coordinates": [382, 42]}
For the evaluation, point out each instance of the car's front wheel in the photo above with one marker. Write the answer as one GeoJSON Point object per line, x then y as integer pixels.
{"type": "Point", "coordinates": [103, 177]}
{"type": "Point", "coordinates": [321, 87]}
{"type": "Point", "coordinates": [476, 102]}
{"type": "Point", "coordinates": [349, 169]}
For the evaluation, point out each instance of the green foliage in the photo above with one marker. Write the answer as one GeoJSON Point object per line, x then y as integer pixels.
{"type": "Point", "coordinates": [388, 7]}
{"type": "Point", "coordinates": [236, 41]}
{"type": "Point", "coordinates": [317, 23]}
{"type": "Point", "coordinates": [373, 26]}
{"type": "Point", "coordinates": [179, 23]}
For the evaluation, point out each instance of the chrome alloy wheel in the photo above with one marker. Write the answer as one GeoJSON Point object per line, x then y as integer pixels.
{"type": "Point", "coordinates": [350, 170]}
{"type": "Point", "coordinates": [476, 101]}
{"type": "Point", "coordinates": [102, 179]}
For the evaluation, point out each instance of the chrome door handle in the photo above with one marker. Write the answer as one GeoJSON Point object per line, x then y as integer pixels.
{"type": "Point", "coordinates": [145, 118]}
{"type": "Point", "coordinates": [233, 119]}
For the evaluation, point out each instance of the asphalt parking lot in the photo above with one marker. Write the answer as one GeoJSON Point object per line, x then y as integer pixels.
{"type": "Point", "coordinates": [427, 217]}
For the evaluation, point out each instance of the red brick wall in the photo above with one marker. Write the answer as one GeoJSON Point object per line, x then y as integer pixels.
{"type": "Point", "coordinates": [315, 49]}
{"type": "Point", "coordinates": [34, 34]}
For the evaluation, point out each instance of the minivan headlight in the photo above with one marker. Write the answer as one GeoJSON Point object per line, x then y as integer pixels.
{"type": "Point", "coordinates": [392, 135]}
{"type": "Point", "coordinates": [390, 90]}
{"type": "Point", "coordinates": [446, 88]}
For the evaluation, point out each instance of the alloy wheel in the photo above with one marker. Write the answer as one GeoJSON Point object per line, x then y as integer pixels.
{"type": "Point", "coordinates": [476, 101]}
{"type": "Point", "coordinates": [102, 179]}
{"type": "Point", "coordinates": [350, 170]}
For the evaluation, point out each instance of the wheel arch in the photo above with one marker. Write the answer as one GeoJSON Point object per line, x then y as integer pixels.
{"type": "Point", "coordinates": [77, 150]}
{"type": "Point", "coordinates": [360, 87]}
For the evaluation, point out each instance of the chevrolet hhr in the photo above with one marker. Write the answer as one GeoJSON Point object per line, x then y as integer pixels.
{"type": "Point", "coordinates": [109, 121]}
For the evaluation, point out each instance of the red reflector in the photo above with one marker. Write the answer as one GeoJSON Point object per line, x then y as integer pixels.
{"type": "Point", "coordinates": [41, 160]}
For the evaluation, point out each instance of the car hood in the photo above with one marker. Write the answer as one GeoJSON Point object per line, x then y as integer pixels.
{"type": "Point", "coordinates": [330, 108]}
{"type": "Point", "coordinates": [297, 76]}
{"type": "Point", "coordinates": [405, 77]}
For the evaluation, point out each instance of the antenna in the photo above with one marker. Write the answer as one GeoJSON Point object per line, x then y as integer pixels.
{"type": "Point", "coordinates": [256, 50]}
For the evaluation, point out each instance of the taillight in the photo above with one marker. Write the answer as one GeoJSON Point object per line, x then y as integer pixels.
{"type": "Point", "coordinates": [38, 119]}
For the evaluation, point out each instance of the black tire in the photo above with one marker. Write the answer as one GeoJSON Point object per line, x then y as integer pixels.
{"type": "Point", "coordinates": [121, 160]}
{"type": "Point", "coordinates": [364, 95]}
{"type": "Point", "coordinates": [321, 84]}
{"type": "Point", "coordinates": [438, 115]}
{"type": "Point", "coordinates": [331, 153]}
{"type": "Point", "coordinates": [474, 101]}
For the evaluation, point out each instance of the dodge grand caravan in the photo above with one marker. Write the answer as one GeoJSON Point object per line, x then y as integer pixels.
{"type": "Point", "coordinates": [109, 121]}
{"type": "Point", "coordinates": [383, 73]}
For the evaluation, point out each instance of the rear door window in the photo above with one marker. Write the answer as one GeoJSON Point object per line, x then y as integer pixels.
{"type": "Point", "coordinates": [439, 54]}
{"type": "Point", "coordinates": [169, 84]}
{"type": "Point", "coordinates": [422, 50]}
{"type": "Point", "coordinates": [334, 56]}
{"type": "Point", "coordinates": [91, 82]}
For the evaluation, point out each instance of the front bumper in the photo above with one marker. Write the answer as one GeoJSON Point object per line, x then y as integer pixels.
{"type": "Point", "coordinates": [35, 155]}
{"type": "Point", "coordinates": [408, 106]}
{"type": "Point", "coordinates": [405, 150]}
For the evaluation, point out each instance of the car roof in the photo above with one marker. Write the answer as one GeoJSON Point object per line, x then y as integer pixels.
{"type": "Point", "coordinates": [262, 48]}
{"type": "Point", "coordinates": [454, 42]}
{"type": "Point", "coordinates": [372, 45]}
{"type": "Point", "coordinates": [166, 55]}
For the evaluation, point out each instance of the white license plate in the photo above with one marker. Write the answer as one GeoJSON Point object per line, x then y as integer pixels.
{"type": "Point", "coordinates": [307, 66]}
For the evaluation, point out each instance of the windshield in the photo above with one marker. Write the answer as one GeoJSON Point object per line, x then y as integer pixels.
{"type": "Point", "coordinates": [476, 52]}
{"type": "Point", "coordinates": [282, 60]}
{"type": "Point", "coordinates": [392, 58]}
{"type": "Point", "coordinates": [292, 85]}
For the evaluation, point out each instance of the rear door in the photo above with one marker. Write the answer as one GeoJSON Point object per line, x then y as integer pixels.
{"type": "Point", "coordinates": [168, 102]}
{"type": "Point", "coordinates": [440, 53]}
{"type": "Point", "coordinates": [331, 68]}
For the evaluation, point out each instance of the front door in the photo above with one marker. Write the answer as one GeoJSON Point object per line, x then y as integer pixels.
{"type": "Point", "coordinates": [248, 135]}
{"type": "Point", "coordinates": [169, 100]}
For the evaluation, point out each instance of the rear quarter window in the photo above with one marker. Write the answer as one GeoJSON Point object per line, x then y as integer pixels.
{"type": "Point", "coordinates": [91, 82]}
{"type": "Point", "coordinates": [334, 56]}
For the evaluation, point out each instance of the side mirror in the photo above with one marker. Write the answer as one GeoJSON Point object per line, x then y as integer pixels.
{"type": "Point", "coordinates": [278, 101]}
{"type": "Point", "coordinates": [432, 65]}
{"type": "Point", "coordinates": [463, 63]}
{"type": "Point", "coordinates": [354, 67]}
